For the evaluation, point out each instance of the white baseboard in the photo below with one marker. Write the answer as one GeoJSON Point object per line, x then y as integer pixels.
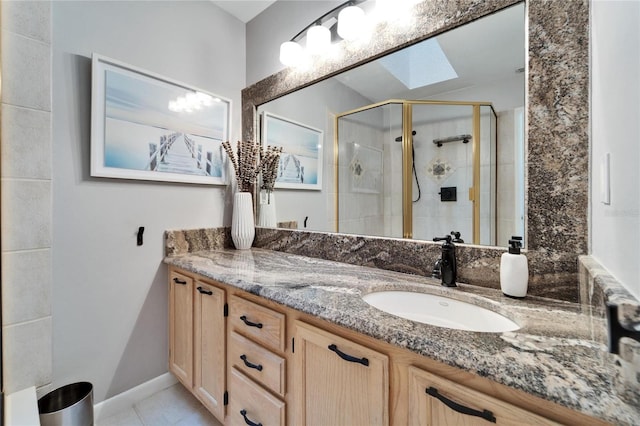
{"type": "Point", "coordinates": [125, 400]}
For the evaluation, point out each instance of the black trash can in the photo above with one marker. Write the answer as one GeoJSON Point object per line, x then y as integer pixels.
{"type": "Point", "coordinates": [70, 405]}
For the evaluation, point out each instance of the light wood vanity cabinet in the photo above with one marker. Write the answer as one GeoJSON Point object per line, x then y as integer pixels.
{"type": "Point", "coordinates": [197, 340]}
{"type": "Point", "coordinates": [256, 359]}
{"type": "Point", "coordinates": [437, 401]}
{"type": "Point", "coordinates": [209, 347]}
{"type": "Point", "coordinates": [181, 327]}
{"type": "Point", "coordinates": [339, 382]}
{"type": "Point", "coordinates": [283, 367]}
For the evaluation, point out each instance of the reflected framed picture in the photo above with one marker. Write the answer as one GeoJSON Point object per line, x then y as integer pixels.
{"type": "Point", "coordinates": [301, 159]}
{"type": "Point", "coordinates": [148, 127]}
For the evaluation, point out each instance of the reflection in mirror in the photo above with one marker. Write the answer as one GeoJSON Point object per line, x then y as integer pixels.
{"type": "Point", "coordinates": [418, 189]}
{"type": "Point", "coordinates": [481, 62]}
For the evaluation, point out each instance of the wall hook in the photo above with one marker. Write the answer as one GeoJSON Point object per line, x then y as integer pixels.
{"type": "Point", "coordinates": [140, 232]}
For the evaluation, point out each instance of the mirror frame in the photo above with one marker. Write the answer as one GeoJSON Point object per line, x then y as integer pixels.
{"type": "Point", "coordinates": [557, 111]}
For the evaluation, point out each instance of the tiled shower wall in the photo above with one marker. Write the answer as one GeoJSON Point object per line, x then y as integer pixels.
{"type": "Point", "coordinates": [26, 194]}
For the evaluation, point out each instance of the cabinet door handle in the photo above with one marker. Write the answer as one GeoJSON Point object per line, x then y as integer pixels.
{"type": "Point", "coordinates": [249, 364]}
{"type": "Point", "coordinates": [363, 361]}
{"type": "Point", "coordinates": [203, 291]}
{"type": "Point", "coordinates": [249, 323]}
{"type": "Point", "coordinates": [485, 414]}
{"type": "Point", "coordinates": [179, 281]}
{"type": "Point", "coordinates": [247, 420]}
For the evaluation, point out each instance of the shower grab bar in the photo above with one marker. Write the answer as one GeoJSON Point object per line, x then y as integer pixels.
{"type": "Point", "coordinates": [463, 138]}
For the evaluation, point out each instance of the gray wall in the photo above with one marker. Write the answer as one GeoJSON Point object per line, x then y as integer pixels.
{"type": "Point", "coordinates": [109, 295]}
{"type": "Point", "coordinates": [615, 108]}
{"type": "Point", "coordinates": [277, 24]}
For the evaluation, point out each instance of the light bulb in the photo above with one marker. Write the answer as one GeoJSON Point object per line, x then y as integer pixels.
{"type": "Point", "coordinates": [350, 22]}
{"type": "Point", "coordinates": [318, 39]}
{"type": "Point", "coordinates": [290, 53]}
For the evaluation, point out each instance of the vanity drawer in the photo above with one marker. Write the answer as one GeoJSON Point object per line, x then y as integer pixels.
{"type": "Point", "coordinates": [257, 362]}
{"type": "Point", "coordinates": [248, 402]}
{"type": "Point", "coordinates": [260, 324]}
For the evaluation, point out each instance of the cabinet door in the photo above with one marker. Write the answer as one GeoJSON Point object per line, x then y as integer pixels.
{"type": "Point", "coordinates": [181, 327]}
{"type": "Point", "coordinates": [437, 401]}
{"type": "Point", "coordinates": [339, 382]}
{"type": "Point", "coordinates": [209, 347]}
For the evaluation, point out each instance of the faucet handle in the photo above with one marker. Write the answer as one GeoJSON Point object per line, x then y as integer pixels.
{"type": "Point", "coordinates": [446, 238]}
{"type": "Point", "coordinates": [456, 237]}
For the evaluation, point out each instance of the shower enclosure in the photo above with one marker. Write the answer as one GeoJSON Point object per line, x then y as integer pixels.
{"type": "Point", "coordinates": [417, 169]}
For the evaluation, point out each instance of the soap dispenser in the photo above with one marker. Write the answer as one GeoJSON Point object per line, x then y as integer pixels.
{"type": "Point", "coordinates": [514, 270]}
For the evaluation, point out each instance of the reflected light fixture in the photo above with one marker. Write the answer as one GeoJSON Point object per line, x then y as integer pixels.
{"type": "Point", "coordinates": [191, 101]}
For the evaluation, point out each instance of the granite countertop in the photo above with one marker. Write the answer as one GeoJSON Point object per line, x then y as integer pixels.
{"type": "Point", "coordinates": [557, 353]}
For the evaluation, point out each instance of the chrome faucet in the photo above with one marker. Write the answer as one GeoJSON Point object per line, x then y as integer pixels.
{"type": "Point", "coordinates": [446, 266]}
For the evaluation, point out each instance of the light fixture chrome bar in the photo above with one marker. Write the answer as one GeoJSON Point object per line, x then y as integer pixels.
{"type": "Point", "coordinates": [463, 138]}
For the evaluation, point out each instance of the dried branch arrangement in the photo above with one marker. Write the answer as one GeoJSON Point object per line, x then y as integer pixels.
{"type": "Point", "coordinates": [246, 163]}
{"type": "Point", "coordinates": [269, 162]}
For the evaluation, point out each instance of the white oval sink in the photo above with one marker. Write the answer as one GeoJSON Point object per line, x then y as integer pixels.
{"type": "Point", "coordinates": [439, 311]}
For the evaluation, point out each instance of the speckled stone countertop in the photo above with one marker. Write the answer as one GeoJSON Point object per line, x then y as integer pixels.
{"type": "Point", "coordinates": [557, 353]}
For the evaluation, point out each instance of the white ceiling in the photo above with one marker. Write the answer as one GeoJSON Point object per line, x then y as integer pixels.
{"type": "Point", "coordinates": [485, 51]}
{"type": "Point", "coordinates": [244, 10]}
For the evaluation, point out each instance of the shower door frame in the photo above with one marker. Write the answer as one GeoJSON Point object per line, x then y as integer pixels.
{"type": "Point", "coordinates": [407, 159]}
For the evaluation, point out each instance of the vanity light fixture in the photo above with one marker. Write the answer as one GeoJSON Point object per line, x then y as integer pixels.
{"type": "Point", "coordinates": [351, 21]}
{"type": "Point", "coordinates": [318, 39]}
{"type": "Point", "coordinates": [346, 21]}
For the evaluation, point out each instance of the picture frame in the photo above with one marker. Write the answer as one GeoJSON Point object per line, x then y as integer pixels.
{"type": "Point", "coordinates": [302, 151]}
{"type": "Point", "coordinates": [148, 127]}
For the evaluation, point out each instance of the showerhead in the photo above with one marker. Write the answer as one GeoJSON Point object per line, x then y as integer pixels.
{"type": "Point", "coordinates": [399, 138]}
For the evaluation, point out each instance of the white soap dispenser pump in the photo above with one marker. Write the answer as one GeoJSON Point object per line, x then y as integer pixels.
{"type": "Point", "coordinates": [514, 270]}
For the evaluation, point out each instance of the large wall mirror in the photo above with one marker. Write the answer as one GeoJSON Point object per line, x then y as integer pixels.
{"type": "Point", "coordinates": [360, 112]}
{"type": "Point", "coordinates": [524, 65]}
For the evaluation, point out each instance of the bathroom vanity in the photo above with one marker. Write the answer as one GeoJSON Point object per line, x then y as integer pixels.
{"type": "Point", "coordinates": [287, 339]}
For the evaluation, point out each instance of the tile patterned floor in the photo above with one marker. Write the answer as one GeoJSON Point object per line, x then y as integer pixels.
{"type": "Point", "coordinates": [172, 406]}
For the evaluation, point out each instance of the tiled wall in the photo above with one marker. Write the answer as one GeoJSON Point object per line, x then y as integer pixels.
{"type": "Point", "coordinates": [26, 193]}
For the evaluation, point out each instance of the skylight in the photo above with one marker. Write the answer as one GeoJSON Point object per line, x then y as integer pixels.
{"type": "Point", "coordinates": [420, 65]}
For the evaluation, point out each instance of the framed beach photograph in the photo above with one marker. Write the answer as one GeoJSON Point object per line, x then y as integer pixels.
{"type": "Point", "coordinates": [148, 127]}
{"type": "Point", "coordinates": [301, 159]}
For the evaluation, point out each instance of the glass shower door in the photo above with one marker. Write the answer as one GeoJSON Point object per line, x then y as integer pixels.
{"type": "Point", "coordinates": [442, 172]}
{"type": "Point", "coordinates": [369, 191]}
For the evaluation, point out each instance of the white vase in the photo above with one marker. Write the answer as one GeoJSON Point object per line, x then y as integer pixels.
{"type": "Point", "coordinates": [242, 225]}
{"type": "Point", "coordinates": [267, 213]}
